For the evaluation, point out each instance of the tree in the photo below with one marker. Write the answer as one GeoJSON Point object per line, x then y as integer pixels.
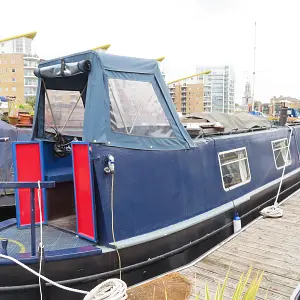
{"type": "Point", "coordinates": [31, 101]}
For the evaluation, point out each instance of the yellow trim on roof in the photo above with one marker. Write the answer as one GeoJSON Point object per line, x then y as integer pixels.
{"type": "Point", "coordinates": [104, 47]}
{"type": "Point", "coordinates": [160, 59]}
{"type": "Point", "coordinates": [194, 75]}
{"type": "Point", "coordinates": [30, 35]}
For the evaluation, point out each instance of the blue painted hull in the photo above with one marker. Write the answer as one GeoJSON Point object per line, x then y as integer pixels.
{"type": "Point", "coordinates": [139, 262]}
{"type": "Point", "coordinates": [169, 206]}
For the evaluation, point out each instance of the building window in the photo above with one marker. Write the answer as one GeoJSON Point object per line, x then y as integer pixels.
{"type": "Point", "coordinates": [234, 167]}
{"type": "Point", "coordinates": [12, 61]}
{"type": "Point", "coordinates": [6, 80]}
{"type": "Point", "coordinates": [281, 153]}
{"type": "Point", "coordinates": [13, 79]}
{"type": "Point", "coordinates": [13, 89]}
{"type": "Point", "coordinates": [2, 44]}
{"type": "Point", "coordinates": [13, 70]}
{"type": "Point", "coordinates": [5, 61]}
{"type": "Point", "coordinates": [19, 45]}
{"type": "Point", "coordinates": [6, 90]}
{"type": "Point", "coordinates": [0, 89]}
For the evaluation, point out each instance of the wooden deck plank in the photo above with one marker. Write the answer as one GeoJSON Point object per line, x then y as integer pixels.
{"type": "Point", "coordinates": [274, 247]}
{"type": "Point", "coordinates": [243, 268]}
{"type": "Point", "coordinates": [238, 259]}
{"type": "Point", "coordinates": [263, 254]}
{"type": "Point", "coordinates": [234, 277]}
{"type": "Point", "coordinates": [269, 245]}
{"type": "Point", "coordinates": [270, 284]}
{"type": "Point", "coordinates": [264, 239]}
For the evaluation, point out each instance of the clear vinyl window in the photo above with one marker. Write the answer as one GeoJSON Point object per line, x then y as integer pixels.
{"type": "Point", "coordinates": [68, 112]}
{"type": "Point", "coordinates": [136, 110]}
{"type": "Point", "coordinates": [281, 153]}
{"type": "Point", "coordinates": [234, 167]}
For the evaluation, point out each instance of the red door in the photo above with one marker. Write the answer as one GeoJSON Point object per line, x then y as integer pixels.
{"type": "Point", "coordinates": [27, 167]}
{"type": "Point", "coordinates": [84, 191]}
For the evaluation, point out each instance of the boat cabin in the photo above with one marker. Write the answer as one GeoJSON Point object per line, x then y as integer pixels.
{"type": "Point", "coordinates": [83, 101]}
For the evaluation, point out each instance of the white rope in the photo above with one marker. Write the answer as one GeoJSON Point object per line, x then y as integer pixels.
{"type": "Point", "coordinates": [111, 289]}
{"type": "Point", "coordinates": [274, 211]}
{"type": "Point", "coordinates": [112, 222]}
{"type": "Point", "coordinates": [41, 237]}
{"type": "Point", "coordinates": [42, 276]}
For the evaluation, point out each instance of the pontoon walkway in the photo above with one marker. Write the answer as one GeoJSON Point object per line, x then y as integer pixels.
{"type": "Point", "coordinates": [269, 245]}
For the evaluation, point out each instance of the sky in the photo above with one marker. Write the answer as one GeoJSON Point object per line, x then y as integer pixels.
{"type": "Point", "coordinates": [187, 33]}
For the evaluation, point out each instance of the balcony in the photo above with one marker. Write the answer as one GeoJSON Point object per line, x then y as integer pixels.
{"type": "Point", "coordinates": [31, 56]}
{"type": "Point", "coordinates": [33, 85]}
{"type": "Point", "coordinates": [29, 76]}
{"type": "Point", "coordinates": [30, 94]}
{"type": "Point", "coordinates": [30, 64]}
{"type": "Point", "coordinates": [29, 67]}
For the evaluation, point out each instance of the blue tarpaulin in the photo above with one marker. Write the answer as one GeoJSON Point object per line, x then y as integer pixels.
{"type": "Point", "coordinates": [15, 134]}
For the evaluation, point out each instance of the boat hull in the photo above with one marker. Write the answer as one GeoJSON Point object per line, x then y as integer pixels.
{"type": "Point", "coordinates": [139, 262]}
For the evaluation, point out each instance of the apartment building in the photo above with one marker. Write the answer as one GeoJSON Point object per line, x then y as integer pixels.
{"type": "Point", "coordinates": [218, 88]}
{"type": "Point", "coordinates": [187, 94]}
{"type": "Point", "coordinates": [12, 75]}
{"type": "Point", "coordinates": [17, 63]}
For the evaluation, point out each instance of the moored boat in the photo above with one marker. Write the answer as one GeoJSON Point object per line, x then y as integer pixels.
{"type": "Point", "coordinates": [129, 176]}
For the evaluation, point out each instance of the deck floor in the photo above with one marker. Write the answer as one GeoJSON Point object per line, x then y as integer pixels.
{"type": "Point", "coordinates": [66, 223]}
{"type": "Point", "coordinates": [269, 245]}
{"type": "Point", "coordinates": [53, 239]}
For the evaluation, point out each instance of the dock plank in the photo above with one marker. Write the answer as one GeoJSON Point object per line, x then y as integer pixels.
{"type": "Point", "coordinates": [268, 245]}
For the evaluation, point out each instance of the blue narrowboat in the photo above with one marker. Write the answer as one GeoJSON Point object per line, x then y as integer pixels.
{"type": "Point", "coordinates": [129, 179]}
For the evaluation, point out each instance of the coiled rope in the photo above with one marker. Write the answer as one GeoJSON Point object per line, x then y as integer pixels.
{"type": "Point", "coordinates": [112, 289]}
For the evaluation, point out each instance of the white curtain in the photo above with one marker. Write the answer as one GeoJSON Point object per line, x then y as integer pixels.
{"type": "Point", "coordinates": [243, 166]}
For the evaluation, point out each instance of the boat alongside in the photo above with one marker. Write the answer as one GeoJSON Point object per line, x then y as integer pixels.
{"type": "Point", "coordinates": [129, 177]}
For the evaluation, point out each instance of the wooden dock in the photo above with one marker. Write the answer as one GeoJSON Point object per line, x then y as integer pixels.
{"type": "Point", "coordinates": [269, 245]}
{"type": "Point", "coordinates": [266, 244]}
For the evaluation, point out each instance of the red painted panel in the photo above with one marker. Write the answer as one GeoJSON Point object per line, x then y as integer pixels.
{"type": "Point", "coordinates": [28, 165]}
{"type": "Point", "coordinates": [83, 191]}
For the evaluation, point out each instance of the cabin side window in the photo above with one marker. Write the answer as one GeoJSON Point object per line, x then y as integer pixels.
{"type": "Point", "coordinates": [281, 153]}
{"type": "Point", "coordinates": [136, 110]}
{"type": "Point", "coordinates": [234, 167]}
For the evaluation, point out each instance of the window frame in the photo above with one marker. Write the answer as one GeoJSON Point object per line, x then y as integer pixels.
{"type": "Point", "coordinates": [220, 166]}
{"type": "Point", "coordinates": [289, 149]}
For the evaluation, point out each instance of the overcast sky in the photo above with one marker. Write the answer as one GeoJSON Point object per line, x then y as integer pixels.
{"type": "Point", "coordinates": [188, 33]}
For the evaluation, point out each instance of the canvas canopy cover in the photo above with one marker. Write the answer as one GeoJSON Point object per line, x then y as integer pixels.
{"type": "Point", "coordinates": [117, 101]}
{"type": "Point", "coordinates": [238, 122]}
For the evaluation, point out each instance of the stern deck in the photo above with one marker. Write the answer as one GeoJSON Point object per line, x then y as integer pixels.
{"type": "Point", "coordinates": [19, 240]}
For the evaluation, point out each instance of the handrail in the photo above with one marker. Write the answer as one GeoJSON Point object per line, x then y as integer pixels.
{"type": "Point", "coordinates": [31, 185]}
{"type": "Point", "coordinates": [26, 184]}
